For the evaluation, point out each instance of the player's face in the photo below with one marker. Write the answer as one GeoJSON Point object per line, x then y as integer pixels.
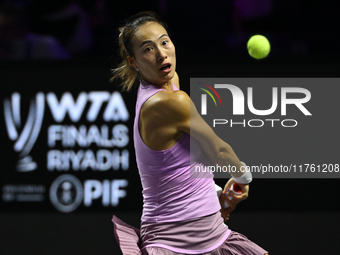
{"type": "Point", "coordinates": [154, 53]}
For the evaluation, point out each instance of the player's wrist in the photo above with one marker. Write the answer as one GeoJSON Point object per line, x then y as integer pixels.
{"type": "Point", "coordinates": [246, 177]}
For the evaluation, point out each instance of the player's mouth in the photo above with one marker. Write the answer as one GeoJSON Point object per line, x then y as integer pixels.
{"type": "Point", "coordinates": [166, 68]}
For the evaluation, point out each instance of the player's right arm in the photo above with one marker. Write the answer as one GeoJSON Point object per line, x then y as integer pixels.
{"type": "Point", "coordinates": [181, 114]}
{"type": "Point", "coordinates": [186, 119]}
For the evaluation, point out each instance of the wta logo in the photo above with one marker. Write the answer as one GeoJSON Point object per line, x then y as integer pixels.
{"type": "Point", "coordinates": [24, 136]}
{"type": "Point", "coordinates": [25, 132]}
{"type": "Point", "coordinates": [204, 97]}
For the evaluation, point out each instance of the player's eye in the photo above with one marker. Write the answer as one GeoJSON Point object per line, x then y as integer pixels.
{"type": "Point", "coordinates": [148, 49]}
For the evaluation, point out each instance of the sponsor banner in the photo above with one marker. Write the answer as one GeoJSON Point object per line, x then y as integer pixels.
{"type": "Point", "coordinates": [67, 148]}
{"type": "Point", "coordinates": [280, 127]}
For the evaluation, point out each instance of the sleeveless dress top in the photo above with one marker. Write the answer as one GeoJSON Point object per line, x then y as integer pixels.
{"type": "Point", "coordinates": [180, 212]}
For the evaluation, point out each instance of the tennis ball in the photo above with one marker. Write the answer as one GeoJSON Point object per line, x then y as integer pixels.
{"type": "Point", "coordinates": [258, 46]}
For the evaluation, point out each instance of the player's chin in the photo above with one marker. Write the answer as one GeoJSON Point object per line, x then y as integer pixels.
{"type": "Point", "coordinates": [171, 75]}
{"type": "Point", "coordinates": [167, 77]}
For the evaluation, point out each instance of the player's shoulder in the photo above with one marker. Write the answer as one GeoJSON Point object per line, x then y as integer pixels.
{"type": "Point", "coordinates": [171, 99]}
{"type": "Point", "coordinates": [168, 103]}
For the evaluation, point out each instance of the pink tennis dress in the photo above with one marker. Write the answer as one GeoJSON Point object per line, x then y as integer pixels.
{"type": "Point", "coordinates": [180, 213]}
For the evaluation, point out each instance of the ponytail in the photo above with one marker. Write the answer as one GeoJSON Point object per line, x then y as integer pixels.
{"type": "Point", "coordinates": [124, 71]}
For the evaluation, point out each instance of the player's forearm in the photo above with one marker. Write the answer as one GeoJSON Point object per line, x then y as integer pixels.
{"type": "Point", "coordinates": [225, 156]}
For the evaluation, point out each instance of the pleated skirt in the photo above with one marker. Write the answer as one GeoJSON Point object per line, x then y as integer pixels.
{"type": "Point", "coordinates": [128, 238]}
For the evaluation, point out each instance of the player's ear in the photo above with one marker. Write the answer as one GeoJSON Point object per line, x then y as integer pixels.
{"type": "Point", "coordinates": [132, 62]}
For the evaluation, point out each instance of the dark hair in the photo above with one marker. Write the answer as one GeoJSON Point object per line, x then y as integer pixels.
{"type": "Point", "coordinates": [124, 71]}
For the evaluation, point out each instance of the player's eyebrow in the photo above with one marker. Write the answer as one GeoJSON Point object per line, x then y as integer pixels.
{"type": "Point", "coordinates": [147, 41]}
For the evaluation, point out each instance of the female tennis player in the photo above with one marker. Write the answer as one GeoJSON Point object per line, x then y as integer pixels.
{"type": "Point", "coordinates": [181, 214]}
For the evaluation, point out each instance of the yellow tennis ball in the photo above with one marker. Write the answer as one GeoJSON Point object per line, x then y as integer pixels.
{"type": "Point", "coordinates": [258, 46]}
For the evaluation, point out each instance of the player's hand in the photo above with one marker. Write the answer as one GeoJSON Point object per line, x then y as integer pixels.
{"type": "Point", "coordinates": [235, 198]}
